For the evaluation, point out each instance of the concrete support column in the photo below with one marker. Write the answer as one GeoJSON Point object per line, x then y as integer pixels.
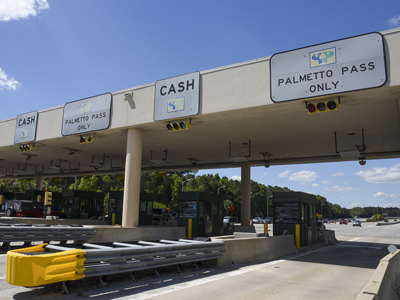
{"type": "Point", "coordinates": [245, 205]}
{"type": "Point", "coordinates": [39, 183]}
{"type": "Point", "coordinates": [133, 170]}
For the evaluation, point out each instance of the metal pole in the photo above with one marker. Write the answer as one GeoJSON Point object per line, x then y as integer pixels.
{"type": "Point", "coordinates": [220, 188]}
{"type": "Point", "coordinates": [268, 205]}
{"type": "Point", "coordinates": [189, 229]}
{"type": "Point", "coordinates": [297, 236]}
{"type": "Point", "coordinates": [184, 182]}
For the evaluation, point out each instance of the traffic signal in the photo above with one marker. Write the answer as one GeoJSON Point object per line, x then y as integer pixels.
{"type": "Point", "coordinates": [26, 147]}
{"type": "Point", "coordinates": [39, 198]}
{"type": "Point", "coordinates": [167, 209]}
{"type": "Point", "coordinates": [178, 125]}
{"type": "Point", "coordinates": [316, 213]}
{"type": "Point", "coordinates": [1, 199]}
{"type": "Point", "coordinates": [48, 198]}
{"type": "Point", "coordinates": [86, 140]}
{"type": "Point", "coordinates": [322, 106]}
{"type": "Point", "coordinates": [233, 211]}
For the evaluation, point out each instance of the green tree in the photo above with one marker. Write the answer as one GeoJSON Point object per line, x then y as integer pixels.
{"type": "Point", "coordinates": [356, 211]}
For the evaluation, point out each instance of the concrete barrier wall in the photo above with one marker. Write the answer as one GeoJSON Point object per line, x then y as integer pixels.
{"type": "Point", "coordinates": [247, 250]}
{"type": "Point", "coordinates": [383, 283]}
{"type": "Point", "coordinates": [108, 234]}
{"type": "Point", "coordinates": [329, 236]}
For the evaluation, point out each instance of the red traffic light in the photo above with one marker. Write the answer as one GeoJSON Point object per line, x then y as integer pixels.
{"type": "Point", "coordinates": [311, 108]}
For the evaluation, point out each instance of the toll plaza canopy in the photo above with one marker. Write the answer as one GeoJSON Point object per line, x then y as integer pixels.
{"type": "Point", "coordinates": [264, 111]}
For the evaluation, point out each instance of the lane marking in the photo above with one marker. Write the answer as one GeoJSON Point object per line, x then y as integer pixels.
{"type": "Point", "coordinates": [355, 239]}
{"type": "Point", "coordinates": [197, 282]}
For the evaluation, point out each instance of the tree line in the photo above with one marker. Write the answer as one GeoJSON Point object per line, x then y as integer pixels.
{"type": "Point", "coordinates": [166, 188]}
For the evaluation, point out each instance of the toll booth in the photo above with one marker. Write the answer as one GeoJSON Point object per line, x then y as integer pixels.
{"type": "Point", "coordinates": [115, 205]}
{"type": "Point", "coordinates": [82, 204]}
{"type": "Point", "coordinates": [291, 208]}
{"type": "Point", "coordinates": [204, 209]}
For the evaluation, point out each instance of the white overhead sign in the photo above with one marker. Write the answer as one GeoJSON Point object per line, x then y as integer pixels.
{"type": "Point", "coordinates": [87, 115]}
{"type": "Point", "coordinates": [25, 129]}
{"type": "Point", "coordinates": [177, 97]}
{"type": "Point", "coordinates": [340, 66]}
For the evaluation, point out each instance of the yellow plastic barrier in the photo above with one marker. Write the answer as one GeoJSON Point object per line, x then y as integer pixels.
{"type": "Point", "coordinates": [41, 269]}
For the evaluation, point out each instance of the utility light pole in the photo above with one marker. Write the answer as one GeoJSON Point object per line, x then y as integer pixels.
{"type": "Point", "coordinates": [268, 205]}
{"type": "Point", "coordinates": [184, 182]}
{"type": "Point", "coordinates": [222, 187]}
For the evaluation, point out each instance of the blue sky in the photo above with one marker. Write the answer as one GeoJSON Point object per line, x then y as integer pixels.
{"type": "Point", "coordinates": [53, 52]}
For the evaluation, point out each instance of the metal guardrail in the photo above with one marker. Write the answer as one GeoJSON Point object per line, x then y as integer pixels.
{"type": "Point", "coordinates": [28, 233]}
{"type": "Point", "coordinates": [47, 264]}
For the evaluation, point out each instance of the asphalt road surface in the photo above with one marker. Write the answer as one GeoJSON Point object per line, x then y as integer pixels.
{"type": "Point", "coordinates": [338, 271]}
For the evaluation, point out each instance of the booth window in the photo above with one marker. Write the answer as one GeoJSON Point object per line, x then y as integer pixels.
{"type": "Point", "coordinates": [201, 209]}
{"type": "Point", "coordinates": [187, 209]}
{"type": "Point", "coordinates": [287, 213]}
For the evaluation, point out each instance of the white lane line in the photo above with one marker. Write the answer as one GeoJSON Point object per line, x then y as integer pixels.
{"type": "Point", "coordinates": [355, 239]}
{"type": "Point", "coordinates": [185, 285]}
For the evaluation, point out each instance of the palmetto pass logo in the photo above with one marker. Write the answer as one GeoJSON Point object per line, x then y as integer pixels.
{"type": "Point", "coordinates": [323, 57]}
{"type": "Point", "coordinates": [176, 104]}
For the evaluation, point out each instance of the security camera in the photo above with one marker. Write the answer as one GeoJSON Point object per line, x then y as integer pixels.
{"type": "Point", "coordinates": [362, 162]}
{"type": "Point", "coordinates": [267, 165]}
{"type": "Point", "coordinates": [127, 95]}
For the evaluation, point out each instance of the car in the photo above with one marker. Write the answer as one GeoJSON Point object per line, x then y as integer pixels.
{"type": "Point", "coordinates": [385, 220]}
{"type": "Point", "coordinates": [332, 221]}
{"type": "Point", "coordinates": [268, 220]}
{"type": "Point", "coordinates": [325, 220]}
{"type": "Point", "coordinates": [226, 219]}
{"type": "Point", "coordinates": [29, 209]}
{"type": "Point", "coordinates": [356, 223]}
{"type": "Point", "coordinates": [258, 220]}
{"type": "Point", "coordinates": [343, 221]}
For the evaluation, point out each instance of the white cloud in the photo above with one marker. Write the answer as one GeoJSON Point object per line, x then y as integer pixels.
{"type": "Point", "coordinates": [305, 176]}
{"type": "Point", "coordinates": [285, 173]}
{"type": "Point", "coordinates": [236, 177]}
{"type": "Point", "coordinates": [381, 175]}
{"type": "Point", "coordinates": [391, 205]}
{"type": "Point", "coordinates": [394, 22]}
{"type": "Point", "coordinates": [347, 182]}
{"type": "Point", "coordinates": [338, 174]}
{"type": "Point", "coordinates": [325, 182]}
{"type": "Point", "coordinates": [381, 194]}
{"type": "Point", "coordinates": [7, 83]}
{"type": "Point", "coordinates": [315, 184]}
{"type": "Point", "coordinates": [337, 188]}
{"type": "Point", "coordinates": [21, 9]}
{"type": "Point", "coordinates": [354, 204]}
{"type": "Point", "coordinates": [265, 173]}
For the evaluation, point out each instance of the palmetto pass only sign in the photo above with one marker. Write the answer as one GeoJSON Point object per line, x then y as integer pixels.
{"type": "Point", "coordinates": [87, 115]}
{"type": "Point", "coordinates": [340, 66]}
